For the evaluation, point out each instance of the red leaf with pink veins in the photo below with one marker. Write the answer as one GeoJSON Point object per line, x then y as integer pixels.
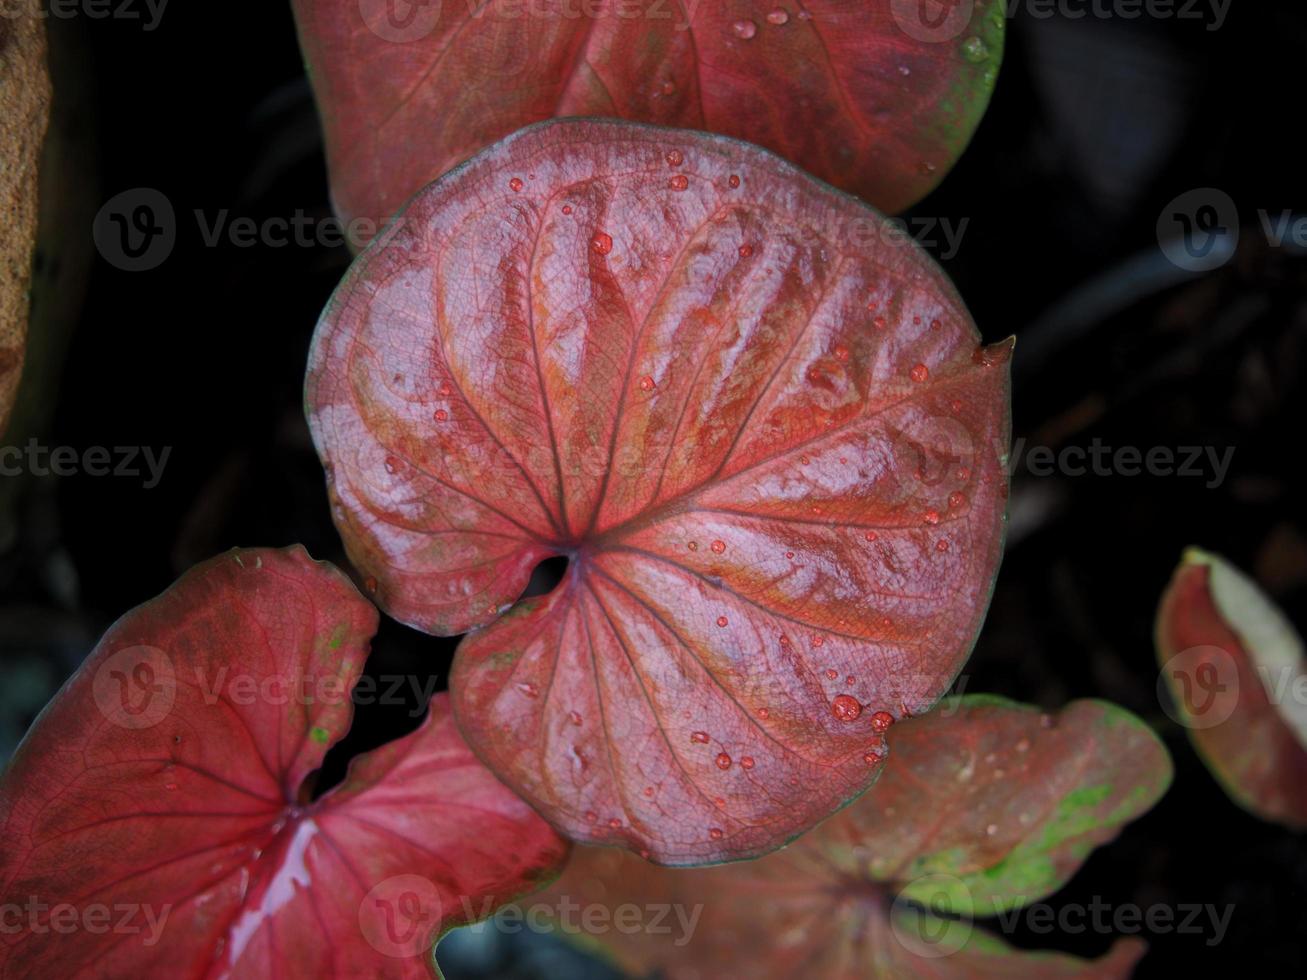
{"type": "Point", "coordinates": [157, 823]}
{"type": "Point", "coordinates": [879, 98]}
{"type": "Point", "coordinates": [767, 438]}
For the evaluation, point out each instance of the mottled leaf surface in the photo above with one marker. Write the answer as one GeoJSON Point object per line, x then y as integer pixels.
{"type": "Point", "coordinates": [984, 806]}
{"type": "Point", "coordinates": [878, 97]}
{"type": "Point", "coordinates": [769, 442]}
{"type": "Point", "coordinates": [1237, 677]}
{"type": "Point", "coordinates": [166, 784]}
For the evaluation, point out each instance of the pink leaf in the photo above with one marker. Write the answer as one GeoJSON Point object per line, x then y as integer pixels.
{"type": "Point", "coordinates": [166, 784]}
{"type": "Point", "coordinates": [768, 440]}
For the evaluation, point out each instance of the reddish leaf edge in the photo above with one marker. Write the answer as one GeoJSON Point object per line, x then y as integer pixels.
{"type": "Point", "coordinates": [1194, 559]}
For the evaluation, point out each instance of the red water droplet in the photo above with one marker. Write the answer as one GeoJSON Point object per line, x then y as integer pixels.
{"type": "Point", "coordinates": [935, 324]}
{"type": "Point", "coordinates": [392, 464]}
{"type": "Point", "coordinates": [718, 547]}
{"type": "Point", "coordinates": [615, 823]}
{"type": "Point", "coordinates": [679, 183]}
{"type": "Point", "coordinates": [841, 352]}
{"type": "Point", "coordinates": [871, 758]}
{"type": "Point", "coordinates": [832, 673]}
{"type": "Point", "coordinates": [647, 383]}
{"type": "Point", "coordinates": [649, 792]}
{"type": "Point", "coordinates": [602, 243]}
{"type": "Point", "coordinates": [445, 388]}
{"type": "Point", "coordinates": [818, 641]}
{"type": "Point", "coordinates": [871, 535]}
{"type": "Point", "coordinates": [789, 554]}
{"type": "Point", "coordinates": [693, 545]}
{"type": "Point", "coordinates": [746, 762]}
{"type": "Point", "coordinates": [515, 183]}
{"type": "Point", "coordinates": [879, 323]}
{"type": "Point", "coordinates": [941, 545]}
{"type": "Point", "coordinates": [957, 499]}
{"type": "Point", "coordinates": [919, 373]}
{"type": "Point", "coordinates": [699, 738]}
{"type": "Point", "coordinates": [723, 761]}
{"type": "Point", "coordinates": [734, 180]}
{"type": "Point", "coordinates": [963, 474]}
{"type": "Point", "coordinates": [850, 680]}
{"type": "Point", "coordinates": [675, 158]}
{"type": "Point", "coordinates": [845, 708]}
{"type": "Point", "coordinates": [574, 717]}
{"type": "Point", "coordinates": [785, 640]}
{"type": "Point", "coordinates": [764, 714]}
{"type": "Point", "coordinates": [745, 251]}
{"type": "Point", "coordinates": [931, 517]}
{"type": "Point", "coordinates": [591, 816]}
{"type": "Point", "coordinates": [881, 721]}
{"type": "Point", "coordinates": [886, 621]}
{"type": "Point", "coordinates": [441, 415]}
{"type": "Point", "coordinates": [529, 689]}
{"type": "Point", "coordinates": [669, 87]}
{"type": "Point", "coordinates": [722, 620]}
{"type": "Point", "coordinates": [567, 209]}
{"type": "Point", "coordinates": [779, 17]}
{"type": "Point", "coordinates": [744, 29]}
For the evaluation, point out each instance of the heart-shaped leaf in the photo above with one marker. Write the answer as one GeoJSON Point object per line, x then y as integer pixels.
{"type": "Point", "coordinates": [156, 820]}
{"type": "Point", "coordinates": [1237, 679]}
{"type": "Point", "coordinates": [24, 114]}
{"type": "Point", "coordinates": [768, 440]}
{"type": "Point", "coordinates": [877, 98]}
{"type": "Point", "coordinates": [984, 806]}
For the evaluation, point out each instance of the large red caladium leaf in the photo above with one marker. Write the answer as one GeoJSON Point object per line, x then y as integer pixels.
{"type": "Point", "coordinates": [156, 821]}
{"type": "Point", "coordinates": [878, 97]}
{"type": "Point", "coordinates": [770, 443]}
{"type": "Point", "coordinates": [1237, 680]}
{"type": "Point", "coordinates": [984, 806]}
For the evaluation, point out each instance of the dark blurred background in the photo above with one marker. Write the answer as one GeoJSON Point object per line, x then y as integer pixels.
{"type": "Point", "coordinates": [1096, 127]}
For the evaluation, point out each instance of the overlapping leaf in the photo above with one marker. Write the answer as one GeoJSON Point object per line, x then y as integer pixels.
{"type": "Point", "coordinates": [878, 97]}
{"type": "Point", "coordinates": [985, 806]}
{"type": "Point", "coordinates": [1237, 678]}
{"type": "Point", "coordinates": [766, 436]}
{"type": "Point", "coordinates": [156, 820]}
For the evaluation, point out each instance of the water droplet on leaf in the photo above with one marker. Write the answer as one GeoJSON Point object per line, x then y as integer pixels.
{"type": "Point", "coordinates": [846, 708]}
